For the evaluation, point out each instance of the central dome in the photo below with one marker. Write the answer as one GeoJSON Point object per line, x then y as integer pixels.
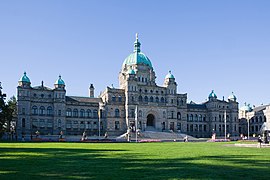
{"type": "Point", "coordinates": [137, 57]}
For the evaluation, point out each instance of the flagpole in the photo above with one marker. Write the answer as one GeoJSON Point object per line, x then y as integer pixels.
{"type": "Point", "coordinates": [98, 124]}
{"type": "Point", "coordinates": [136, 123]}
{"type": "Point", "coordinates": [225, 119]}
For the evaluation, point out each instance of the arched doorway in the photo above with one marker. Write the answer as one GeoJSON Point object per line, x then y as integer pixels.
{"type": "Point", "coordinates": [150, 120]}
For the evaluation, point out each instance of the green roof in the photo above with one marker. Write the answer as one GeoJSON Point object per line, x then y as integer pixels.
{"type": "Point", "coordinates": [169, 75]}
{"type": "Point", "coordinates": [137, 57]}
{"type": "Point", "coordinates": [232, 97]}
{"type": "Point", "coordinates": [131, 71]}
{"type": "Point", "coordinates": [212, 94]}
{"type": "Point", "coordinates": [24, 78]}
{"type": "Point", "coordinates": [59, 81]}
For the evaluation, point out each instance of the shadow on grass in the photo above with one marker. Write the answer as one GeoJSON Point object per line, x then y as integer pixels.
{"type": "Point", "coordinates": [68, 163]}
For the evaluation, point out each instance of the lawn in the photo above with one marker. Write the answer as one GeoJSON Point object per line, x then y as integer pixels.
{"type": "Point", "coordinates": [172, 160]}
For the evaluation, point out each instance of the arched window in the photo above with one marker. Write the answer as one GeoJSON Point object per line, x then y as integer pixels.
{"type": "Point", "coordinates": [182, 102]}
{"type": "Point", "coordinates": [75, 113]}
{"type": "Point", "coordinates": [200, 117]}
{"type": "Point", "coordinates": [162, 99]}
{"type": "Point", "coordinates": [145, 99]}
{"type": "Point", "coordinates": [196, 117]}
{"type": "Point", "coordinates": [172, 114]}
{"type": "Point", "coordinates": [82, 112]}
{"type": "Point", "coordinates": [23, 122]}
{"type": "Point", "coordinates": [49, 111]}
{"type": "Point", "coordinates": [256, 118]}
{"type": "Point", "coordinates": [179, 116]}
{"type": "Point", "coordinates": [89, 113]}
{"type": "Point", "coordinates": [261, 119]}
{"type": "Point", "coordinates": [113, 99]}
{"type": "Point", "coordinates": [140, 98]}
{"type": "Point", "coordinates": [34, 110]}
{"type": "Point", "coordinates": [120, 98]}
{"type": "Point", "coordinates": [187, 117]}
{"type": "Point", "coordinates": [95, 113]}
{"type": "Point", "coordinates": [164, 114]}
{"type": "Point", "coordinates": [116, 113]}
{"type": "Point", "coordinates": [157, 99]}
{"type": "Point", "coordinates": [191, 117]}
{"type": "Point", "coordinates": [42, 110]}
{"type": "Point", "coordinates": [69, 113]}
{"type": "Point", "coordinates": [219, 118]}
{"type": "Point", "coordinates": [151, 99]}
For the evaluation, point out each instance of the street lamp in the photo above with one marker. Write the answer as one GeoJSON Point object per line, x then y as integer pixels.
{"type": "Point", "coordinates": [225, 121]}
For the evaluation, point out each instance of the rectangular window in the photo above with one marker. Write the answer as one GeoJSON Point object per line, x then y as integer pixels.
{"type": "Point", "coordinates": [42, 123]}
{"type": "Point", "coordinates": [82, 125]}
{"type": "Point", "coordinates": [117, 125]}
{"type": "Point", "coordinates": [68, 124]}
{"type": "Point", "coordinates": [34, 123]}
{"type": "Point", "coordinates": [50, 123]}
{"type": "Point", "coordinates": [59, 112]}
{"type": "Point", "coordinates": [23, 111]}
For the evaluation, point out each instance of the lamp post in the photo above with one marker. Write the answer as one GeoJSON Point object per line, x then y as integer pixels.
{"type": "Point", "coordinates": [248, 127]}
{"type": "Point", "coordinates": [99, 124]}
{"type": "Point", "coordinates": [136, 123]}
{"type": "Point", "coordinates": [225, 121]}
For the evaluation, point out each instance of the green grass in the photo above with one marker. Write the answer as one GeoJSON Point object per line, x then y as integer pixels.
{"type": "Point", "coordinates": [132, 161]}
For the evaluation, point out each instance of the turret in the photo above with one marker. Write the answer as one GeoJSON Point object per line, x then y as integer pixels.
{"type": "Point", "coordinates": [212, 96]}
{"type": "Point", "coordinates": [59, 84]}
{"type": "Point", "coordinates": [170, 83]}
{"type": "Point", "coordinates": [25, 81]}
{"type": "Point", "coordinates": [92, 91]}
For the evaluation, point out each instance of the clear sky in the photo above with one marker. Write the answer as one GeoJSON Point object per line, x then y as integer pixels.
{"type": "Point", "coordinates": [220, 45]}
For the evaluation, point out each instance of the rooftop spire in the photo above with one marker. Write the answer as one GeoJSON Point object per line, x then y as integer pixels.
{"type": "Point", "coordinates": [137, 44]}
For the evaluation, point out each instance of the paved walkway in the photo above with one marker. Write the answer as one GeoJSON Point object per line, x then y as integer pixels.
{"type": "Point", "coordinates": [252, 145]}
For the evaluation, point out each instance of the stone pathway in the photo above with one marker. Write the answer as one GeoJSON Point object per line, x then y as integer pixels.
{"type": "Point", "coordinates": [252, 145]}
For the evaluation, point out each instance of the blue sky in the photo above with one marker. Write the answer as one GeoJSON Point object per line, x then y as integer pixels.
{"type": "Point", "coordinates": [220, 45]}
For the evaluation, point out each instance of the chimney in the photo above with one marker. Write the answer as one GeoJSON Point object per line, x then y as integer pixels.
{"type": "Point", "coordinates": [91, 90]}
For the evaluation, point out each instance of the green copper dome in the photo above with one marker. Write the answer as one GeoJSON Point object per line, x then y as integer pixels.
{"type": "Point", "coordinates": [212, 94]}
{"type": "Point", "coordinates": [24, 78]}
{"type": "Point", "coordinates": [246, 108]}
{"type": "Point", "coordinates": [137, 57]}
{"type": "Point", "coordinates": [59, 81]}
{"type": "Point", "coordinates": [131, 71]}
{"type": "Point", "coordinates": [169, 75]}
{"type": "Point", "coordinates": [232, 97]}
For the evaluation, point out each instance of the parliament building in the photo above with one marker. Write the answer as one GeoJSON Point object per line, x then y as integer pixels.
{"type": "Point", "coordinates": [138, 101]}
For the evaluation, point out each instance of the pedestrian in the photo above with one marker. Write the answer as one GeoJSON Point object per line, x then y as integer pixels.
{"type": "Point", "coordinates": [259, 141]}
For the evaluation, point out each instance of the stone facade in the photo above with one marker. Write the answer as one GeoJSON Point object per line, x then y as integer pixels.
{"type": "Point", "coordinates": [137, 100]}
{"type": "Point", "coordinates": [253, 118]}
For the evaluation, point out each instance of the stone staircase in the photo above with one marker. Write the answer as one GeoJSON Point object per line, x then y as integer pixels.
{"type": "Point", "coordinates": [156, 135]}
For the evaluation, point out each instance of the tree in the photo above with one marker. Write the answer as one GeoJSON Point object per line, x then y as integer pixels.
{"type": "Point", "coordinates": [2, 111]}
{"type": "Point", "coordinates": [8, 112]}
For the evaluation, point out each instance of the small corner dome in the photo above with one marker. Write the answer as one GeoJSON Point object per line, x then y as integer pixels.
{"type": "Point", "coordinates": [232, 97]}
{"type": "Point", "coordinates": [131, 71]}
{"type": "Point", "coordinates": [169, 75]}
{"type": "Point", "coordinates": [212, 94]}
{"type": "Point", "coordinates": [24, 78]}
{"type": "Point", "coordinates": [246, 108]}
{"type": "Point", "coordinates": [59, 81]}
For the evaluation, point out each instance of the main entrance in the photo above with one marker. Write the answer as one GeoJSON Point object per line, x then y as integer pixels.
{"type": "Point", "coordinates": [150, 120]}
